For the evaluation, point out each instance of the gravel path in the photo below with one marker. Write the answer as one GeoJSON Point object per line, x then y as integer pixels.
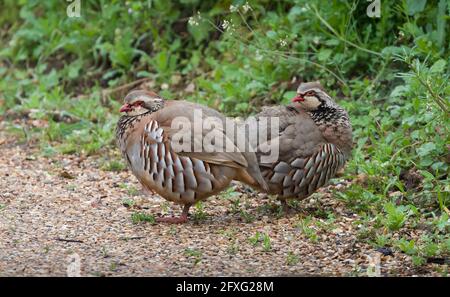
{"type": "Point", "coordinates": [56, 212]}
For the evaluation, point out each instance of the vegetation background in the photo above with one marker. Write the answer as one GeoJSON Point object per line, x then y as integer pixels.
{"type": "Point", "coordinates": [391, 74]}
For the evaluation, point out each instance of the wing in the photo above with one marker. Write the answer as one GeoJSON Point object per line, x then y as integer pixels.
{"type": "Point", "coordinates": [221, 149]}
{"type": "Point", "coordinates": [301, 176]}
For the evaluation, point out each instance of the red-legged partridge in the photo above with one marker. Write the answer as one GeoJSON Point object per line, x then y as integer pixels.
{"type": "Point", "coordinates": [315, 140]}
{"type": "Point", "coordinates": [144, 134]}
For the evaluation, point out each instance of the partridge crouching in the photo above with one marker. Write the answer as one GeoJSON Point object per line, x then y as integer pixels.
{"type": "Point", "coordinates": [314, 141]}
{"type": "Point", "coordinates": [144, 135]}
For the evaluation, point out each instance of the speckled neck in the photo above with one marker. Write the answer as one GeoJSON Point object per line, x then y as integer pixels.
{"type": "Point", "coordinates": [335, 125]}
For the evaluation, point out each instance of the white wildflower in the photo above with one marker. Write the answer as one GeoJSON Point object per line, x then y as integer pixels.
{"type": "Point", "coordinates": [233, 8]}
{"type": "Point", "coordinates": [246, 7]}
{"type": "Point", "coordinates": [304, 9]}
{"type": "Point", "coordinates": [225, 24]}
{"type": "Point", "coordinates": [193, 21]}
{"type": "Point", "coordinates": [283, 42]}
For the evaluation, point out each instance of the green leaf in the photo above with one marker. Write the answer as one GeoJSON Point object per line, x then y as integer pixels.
{"type": "Point", "coordinates": [374, 112]}
{"type": "Point", "coordinates": [426, 149]}
{"type": "Point", "coordinates": [271, 34]}
{"type": "Point", "coordinates": [427, 175]}
{"type": "Point", "coordinates": [324, 54]}
{"type": "Point", "coordinates": [144, 73]}
{"type": "Point", "coordinates": [399, 91]}
{"type": "Point", "coordinates": [438, 66]}
{"type": "Point", "coordinates": [200, 30]}
{"type": "Point", "coordinates": [392, 50]}
{"type": "Point", "coordinates": [415, 6]}
{"type": "Point", "coordinates": [242, 107]}
{"type": "Point", "coordinates": [441, 21]}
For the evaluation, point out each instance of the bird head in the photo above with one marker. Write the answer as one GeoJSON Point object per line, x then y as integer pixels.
{"type": "Point", "coordinates": [311, 97]}
{"type": "Point", "coordinates": [140, 101]}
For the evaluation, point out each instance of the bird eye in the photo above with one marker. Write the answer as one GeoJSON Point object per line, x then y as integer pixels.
{"type": "Point", "coordinates": [310, 93]}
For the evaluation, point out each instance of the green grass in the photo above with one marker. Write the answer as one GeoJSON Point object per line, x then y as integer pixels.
{"type": "Point", "coordinates": [391, 74]}
{"type": "Point", "coordinates": [114, 165]}
{"type": "Point", "coordinates": [199, 212]}
{"type": "Point", "coordinates": [128, 202]}
{"type": "Point", "coordinates": [306, 226]}
{"type": "Point", "coordinates": [131, 190]}
{"type": "Point", "coordinates": [139, 217]}
{"type": "Point", "coordinates": [292, 259]}
{"type": "Point", "coordinates": [262, 239]}
{"type": "Point", "coordinates": [194, 254]}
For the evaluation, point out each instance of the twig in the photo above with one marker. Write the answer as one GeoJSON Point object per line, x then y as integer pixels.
{"type": "Point", "coordinates": [438, 99]}
{"type": "Point", "coordinates": [68, 240]}
{"type": "Point", "coordinates": [245, 22]}
{"type": "Point", "coordinates": [132, 238]}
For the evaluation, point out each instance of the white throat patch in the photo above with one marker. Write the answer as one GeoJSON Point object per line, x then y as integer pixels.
{"type": "Point", "coordinates": [311, 102]}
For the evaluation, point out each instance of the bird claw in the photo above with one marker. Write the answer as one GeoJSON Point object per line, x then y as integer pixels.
{"type": "Point", "coordinates": [183, 218]}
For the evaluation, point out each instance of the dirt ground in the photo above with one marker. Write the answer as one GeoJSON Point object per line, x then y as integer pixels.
{"type": "Point", "coordinates": [64, 215]}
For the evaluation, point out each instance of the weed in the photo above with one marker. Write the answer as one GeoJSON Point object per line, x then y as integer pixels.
{"type": "Point", "coordinates": [113, 266]}
{"type": "Point", "coordinates": [139, 217]}
{"type": "Point", "coordinates": [128, 202]}
{"type": "Point", "coordinates": [199, 213]}
{"type": "Point", "coordinates": [305, 226]}
{"type": "Point", "coordinates": [246, 216]}
{"type": "Point", "coordinates": [233, 248]}
{"type": "Point", "coordinates": [194, 253]}
{"type": "Point", "coordinates": [114, 166]}
{"type": "Point", "coordinates": [255, 238]}
{"type": "Point", "coordinates": [262, 238]}
{"type": "Point", "coordinates": [292, 259]}
{"type": "Point", "coordinates": [266, 244]}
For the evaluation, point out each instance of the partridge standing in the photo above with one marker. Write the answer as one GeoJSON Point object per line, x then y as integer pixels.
{"type": "Point", "coordinates": [144, 134]}
{"type": "Point", "coordinates": [315, 140]}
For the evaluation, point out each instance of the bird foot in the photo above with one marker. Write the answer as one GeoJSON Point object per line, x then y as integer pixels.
{"type": "Point", "coordinates": [176, 220]}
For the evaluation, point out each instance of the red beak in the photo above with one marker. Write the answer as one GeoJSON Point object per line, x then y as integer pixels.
{"type": "Point", "coordinates": [298, 98]}
{"type": "Point", "coordinates": [125, 108]}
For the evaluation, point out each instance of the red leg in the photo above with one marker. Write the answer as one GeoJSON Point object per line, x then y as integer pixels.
{"type": "Point", "coordinates": [176, 220]}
